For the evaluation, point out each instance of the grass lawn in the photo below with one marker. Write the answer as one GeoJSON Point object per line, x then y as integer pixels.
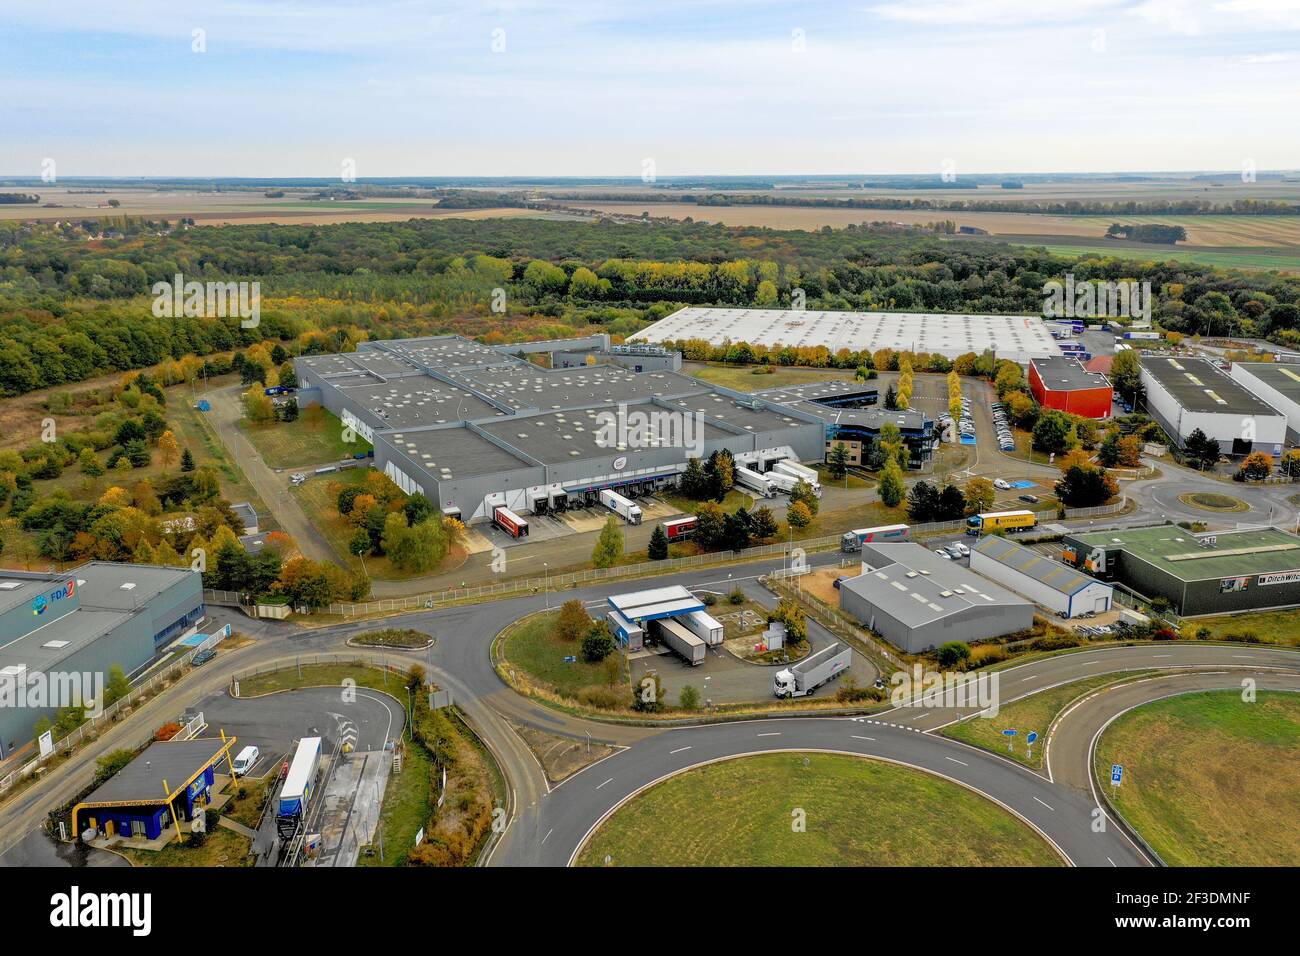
{"type": "Point", "coordinates": [393, 637]}
{"type": "Point", "coordinates": [1035, 712]}
{"type": "Point", "coordinates": [1267, 258]}
{"type": "Point", "coordinates": [859, 812]}
{"type": "Point", "coordinates": [868, 514]}
{"type": "Point", "coordinates": [1210, 780]}
{"type": "Point", "coordinates": [849, 480]}
{"type": "Point", "coordinates": [316, 438]}
{"type": "Point", "coordinates": [531, 647]}
{"type": "Point", "coordinates": [407, 803]}
{"type": "Point", "coordinates": [323, 675]}
{"type": "Point", "coordinates": [743, 379]}
{"type": "Point", "coordinates": [734, 499]}
{"type": "Point", "coordinates": [194, 433]}
{"type": "Point", "coordinates": [222, 848]}
{"type": "Point", "coordinates": [248, 811]}
{"type": "Point", "coordinates": [1271, 627]}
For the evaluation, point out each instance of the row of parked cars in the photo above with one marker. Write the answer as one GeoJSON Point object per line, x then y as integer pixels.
{"type": "Point", "coordinates": [953, 551]}
{"type": "Point", "coordinates": [1002, 425]}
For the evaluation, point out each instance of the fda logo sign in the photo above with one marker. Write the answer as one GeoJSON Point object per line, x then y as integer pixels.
{"type": "Point", "coordinates": [42, 601]}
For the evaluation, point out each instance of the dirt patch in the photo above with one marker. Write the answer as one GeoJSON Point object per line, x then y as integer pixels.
{"type": "Point", "coordinates": [561, 757]}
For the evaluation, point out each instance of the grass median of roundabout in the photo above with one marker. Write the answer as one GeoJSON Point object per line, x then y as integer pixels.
{"type": "Point", "coordinates": [1037, 712]}
{"type": "Point", "coordinates": [1209, 779]}
{"type": "Point", "coordinates": [812, 809]}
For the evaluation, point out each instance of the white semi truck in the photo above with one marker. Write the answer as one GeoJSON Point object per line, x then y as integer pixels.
{"type": "Point", "coordinates": [621, 506]}
{"type": "Point", "coordinates": [753, 481]}
{"type": "Point", "coordinates": [801, 679]}
{"type": "Point", "coordinates": [691, 648]}
{"type": "Point", "coordinates": [798, 471]}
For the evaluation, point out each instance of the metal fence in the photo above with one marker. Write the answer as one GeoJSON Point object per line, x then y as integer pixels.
{"type": "Point", "coordinates": [93, 726]}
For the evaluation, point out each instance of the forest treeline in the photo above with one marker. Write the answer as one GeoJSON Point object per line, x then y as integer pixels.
{"type": "Point", "coordinates": [72, 309]}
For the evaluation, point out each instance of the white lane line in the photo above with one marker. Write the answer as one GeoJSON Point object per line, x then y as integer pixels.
{"type": "Point", "coordinates": [1088, 663]}
{"type": "Point", "coordinates": [955, 760]}
{"type": "Point", "coordinates": [1111, 862]}
{"type": "Point", "coordinates": [1161, 655]}
{"type": "Point", "coordinates": [856, 737]}
{"type": "Point", "coordinates": [678, 750]}
{"type": "Point", "coordinates": [1048, 805]}
{"type": "Point", "coordinates": [548, 835]}
{"type": "Point", "coordinates": [603, 784]}
{"type": "Point", "coordinates": [1030, 677]}
{"type": "Point", "coordinates": [773, 734]}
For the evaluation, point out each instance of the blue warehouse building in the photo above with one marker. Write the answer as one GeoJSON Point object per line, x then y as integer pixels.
{"type": "Point", "coordinates": [66, 630]}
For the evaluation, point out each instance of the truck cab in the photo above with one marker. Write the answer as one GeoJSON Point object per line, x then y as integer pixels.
{"type": "Point", "coordinates": [783, 684]}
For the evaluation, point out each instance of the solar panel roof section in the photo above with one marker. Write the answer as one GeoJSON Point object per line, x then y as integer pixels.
{"type": "Point", "coordinates": [1200, 386]}
{"type": "Point", "coordinates": [1018, 337]}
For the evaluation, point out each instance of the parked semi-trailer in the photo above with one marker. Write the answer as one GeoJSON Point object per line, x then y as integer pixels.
{"type": "Point", "coordinates": [690, 647]}
{"type": "Point", "coordinates": [796, 470]}
{"type": "Point", "coordinates": [509, 522]}
{"type": "Point", "coordinates": [752, 480]}
{"type": "Point", "coordinates": [621, 506]}
{"type": "Point", "coordinates": [1143, 335]}
{"type": "Point", "coordinates": [703, 626]}
{"type": "Point", "coordinates": [299, 786]}
{"type": "Point", "coordinates": [854, 540]}
{"type": "Point", "coordinates": [679, 529]}
{"type": "Point", "coordinates": [803, 678]}
{"type": "Point", "coordinates": [991, 521]}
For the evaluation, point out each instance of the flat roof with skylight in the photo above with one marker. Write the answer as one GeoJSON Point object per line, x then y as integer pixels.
{"type": "Point", "coordinates": [1200, 386]}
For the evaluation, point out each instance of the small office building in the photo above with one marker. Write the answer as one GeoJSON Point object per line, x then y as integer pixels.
{"type": "Point", "coordinates": [1063, 383]}
{"type": "Point", "coordinates": [1048, 583]}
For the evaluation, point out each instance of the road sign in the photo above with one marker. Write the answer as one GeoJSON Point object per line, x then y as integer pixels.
{"type": "Point", "coordinates": [570, 659]}
{"type": "Point", "coordinates": [1116, 774]}
{"type": "Point", "coordinates": [1033, 735]}
{"type": "Point", "coordinates": [1008, 733]}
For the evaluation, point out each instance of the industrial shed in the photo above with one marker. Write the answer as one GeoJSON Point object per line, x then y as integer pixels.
{"type": "Point", "coordinates": [917, 601]}
{"type": "Point", "coordinates": [1050, 584]}
{"type": "Point", "coordinates": [1248, 570]}
{"type": "Point", "coordinates": [1184, 394]}
{"type": "Point", "coordinates": [1066, 385]}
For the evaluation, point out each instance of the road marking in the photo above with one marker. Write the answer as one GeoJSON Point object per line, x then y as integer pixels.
{"type": "Point", "coordinates": [603, 784]}
{"type": "Point", "coordinates": [678, 750]}
{"type": "Point", "coordinates": [1030, 677]}
{"type": "Point", "coordinates": [548, 835]}
{"type": "Point", "coordinates": [856, 737]}
{"type": "Point", "coordinates": [1111, 862]}
{"type": "Point", "coordinates": [1086, 663]}
{"type": "Point", "coordinates": [955, 760]}
{"type": "Point", "coordinates": [1048, 805]}
{"type": "Point", "coordinates": [1161, 655]}
{"type": "Point", "coordinates": [773, 734]}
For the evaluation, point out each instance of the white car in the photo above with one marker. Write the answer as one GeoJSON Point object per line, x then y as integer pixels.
{"type": "Point", "coordinates": [1001, 484]}
{"type": "Point", "coordinates": [961, 549]}
{"type": "Point", "coordinates": [943, 554]}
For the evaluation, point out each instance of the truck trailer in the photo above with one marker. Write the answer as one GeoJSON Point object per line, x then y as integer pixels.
{"type": "Point", "coordinates": [703, 626]}
{"type": "Point", "coordinates": [678, 638]}
{"type": "Point", "coordinates": [621, 506]}
{"type": "Point", "coordinates": [798, 471]}
{"type": "Point", "coordinates": [801, 679]}
{"type": "Point", "coordinates": [748, 478]}
{"type": "Point", "coordinates": [299, 786]}
{"type": "Point", "coordinates": [854, 540]}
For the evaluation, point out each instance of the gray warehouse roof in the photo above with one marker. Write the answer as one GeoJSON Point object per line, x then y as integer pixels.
{"type": "Point", "coordinates": [1057, 576]}
{"type": "Point", "coordinates": [454, 452]}
{"type": "Point", "coordinates": [1284, 378]}
{"type": "Point", "coordinates": [555, 437]}
{"type": "Point", "coordinates": [141, 781]}
{"type": "Point", "coordinates": [1061, 373]}
{"type": "Point", "coordinates": [1200, 386]}
{"type": "Point", "coordinates": [917, 587]}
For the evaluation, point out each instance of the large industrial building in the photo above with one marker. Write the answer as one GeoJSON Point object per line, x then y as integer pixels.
{"type": "Point", "coordinates": [1276, 384]}
{"type": "Point", "coordinates": [917, 601]}
{"type": "Point", "coordinates": [1015, 337]}
{"type": "Point", "coordinates": [1196, 573]}
{"type": "Point", "coordinates": [474, 428]}
{"type": "Point", "coordinates": [1048, 583]}
{"type": "Point", "coordinates": [83, 622]}
{"type": "Point", "coordinates": [1184, 394]}
{"type": "Point", "coordinates": [1064, 384]}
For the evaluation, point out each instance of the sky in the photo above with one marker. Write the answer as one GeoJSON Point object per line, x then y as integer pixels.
{"type": "Point", "coordinates": [617, 87]}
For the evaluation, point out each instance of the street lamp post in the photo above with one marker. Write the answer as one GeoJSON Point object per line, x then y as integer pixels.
{"type": "Point", "coordinates": [546, 584]}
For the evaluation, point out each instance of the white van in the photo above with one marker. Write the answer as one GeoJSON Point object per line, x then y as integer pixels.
{"type": "Point", "coordinates": [246, 760]}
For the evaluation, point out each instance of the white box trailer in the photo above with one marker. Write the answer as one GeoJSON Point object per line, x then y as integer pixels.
{"type": "Point", "coordinates": [687, 645]}
{"type": "Point", "coordinates": [752, 480]}
{"type": "Point", "coordinates": [621, 506]}
{"type": "Point", "coordinates": [797, 470]}
{"type": "Point", "coordinates": [703, 626]}
{"type": "Point", "coordinates": [803, 678]}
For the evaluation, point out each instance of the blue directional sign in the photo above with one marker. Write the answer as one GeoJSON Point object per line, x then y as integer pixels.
{"type": "Point", "coordinates": [1116, 773]}
{"type": "Point", "coordinates": [1008, 733]}
{"type": "Point", "coordinates": [570, 659]}
{"type": "Point", "coordinates": [1033, 735]}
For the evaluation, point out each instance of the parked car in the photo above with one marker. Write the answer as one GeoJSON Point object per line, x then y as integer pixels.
{"type": "Point", "coordinates": [943, 554]}
{"type": "Point", "coordinates": [1001, 484]}
{"type": "Point", "coordinates": [962, 549]}
{"type": "Point", "coordinates": [1032, 499]}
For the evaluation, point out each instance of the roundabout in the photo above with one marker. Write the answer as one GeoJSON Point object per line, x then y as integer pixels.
{"type": "Point", "coordinates": [1213, 501]}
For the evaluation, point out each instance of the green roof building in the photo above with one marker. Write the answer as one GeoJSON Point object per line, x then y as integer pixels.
{"type": "Point", "coordinates": [1197, 574]}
